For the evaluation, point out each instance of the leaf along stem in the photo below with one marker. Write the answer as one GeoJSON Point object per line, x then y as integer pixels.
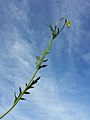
{"type": "Point", "coordinates": [37, 69]}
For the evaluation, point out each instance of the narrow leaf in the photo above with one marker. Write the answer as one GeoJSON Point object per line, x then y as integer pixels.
{"type": "Point", "coordinates": [55, 27]}
{"type": "Point", "coordinates": [36, 64]}
{"type": "Point", "coordinates": [51, 28]}
{"type": "Point", "coordinates": [38, 57]}
{"type": "Point", "coordinates": [20, 90]}
{"type": "Point", "coordinates": [27, 93]}
{"type": "Point", "coordinates": [43, 66]}
{"type": "Point", "coordinates": [38, 78]}
{"type": "Point", "coordinates": [45, 60]}
{"type": "Point", "coordinates": [35, 81]}
{"type": "Point", "coordinates": [65, 20]}
{"type": "Point", "coordinates": [22, 99]}
{"type": "Point", "coordinates": [58, 31]}
{"type": "Point", "coordinates": [47, 52]}
{"type": "Point", "coordinates": [15, 96]}
{"type": "Point", "coordinates": [29, 87]}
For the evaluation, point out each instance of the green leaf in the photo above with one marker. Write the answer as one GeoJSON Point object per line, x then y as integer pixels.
{"type": "Point", "coordinates": [26, 84]}
{"type": "Point", "coordinates": [22, 99]}
{"type": "Point", "coordinates": [65, 21]}
{"type": "Point", "coordinates": [36, 64]}
{"type": "Point", "coordinates": [58, 31]}
{"type": "Point", "coordinates": [27, 93]}
{"type": "Point", "coordinates": [32, 83]}
{"type": "Point", "coordinates": [29, 87]}
{"type": "Point", "coordinates": [20, 90]}
{"type": "Point", "coordinates": [45, 60]}
{"type": "Point", "coordinates": [43, 66]}
{"type": "Point", "coordinates": [51, 28]}
{"type": "Point", "coordinates": [47, 52]}
{"type": "Point", "coordinates": [15, 96]}
{"type": "Point", "coordinates": [68, 23]}
{"type": "Point", "coordinates": [55, 27]}
{"type": "Point", "coordinates": [38, 57]}
{"type": "Point", "coordinates": [35, 81]}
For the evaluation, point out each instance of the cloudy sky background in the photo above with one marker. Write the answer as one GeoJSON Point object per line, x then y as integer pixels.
{"type": "Point", "coordinates": [63, 92]}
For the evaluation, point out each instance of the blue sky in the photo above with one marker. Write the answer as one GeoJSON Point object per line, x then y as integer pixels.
{"type": "Point", "coordinates": [63, 92]}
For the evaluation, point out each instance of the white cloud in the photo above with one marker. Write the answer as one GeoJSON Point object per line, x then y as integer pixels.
{"type": "Point", "coordinates": [86, 58]}
{"type": "Point", "coordinates": [20, 67]}
{"type": "Point", "coordinates": [45, 97]}
{"type": "Point", "coordinates": [18, 13]}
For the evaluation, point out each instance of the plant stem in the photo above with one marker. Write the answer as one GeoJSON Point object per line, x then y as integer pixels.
{"type": "Point", "coordinates": [37, 69]}
{"type": "Point", "coordinates": [43, 56]}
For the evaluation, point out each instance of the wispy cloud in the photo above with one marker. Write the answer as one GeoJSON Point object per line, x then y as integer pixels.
{"type": "Point", "coordinates": [16, 53]}
{"type": "Point", "coordinates": [50, 105]}
{"type": "Point", "coordinates": [57, 95]}
{"type": "Point", "coordinates": [86, 58]}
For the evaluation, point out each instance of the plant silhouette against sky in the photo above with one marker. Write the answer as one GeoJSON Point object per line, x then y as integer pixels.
{"type": "Point", "coordinates": [40, 63]}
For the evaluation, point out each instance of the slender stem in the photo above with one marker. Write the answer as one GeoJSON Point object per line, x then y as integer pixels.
{"type": "Point", "coordinates": [37, 69]}
{"type": "Point", "coordinates": [45, 53]}
{"type": "Point", "coordinates": [9, 113]}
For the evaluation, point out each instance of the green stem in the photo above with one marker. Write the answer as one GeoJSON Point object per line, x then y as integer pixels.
{"type": "Point", "coordinates": [43, 56]}
{"type": "Point", "coordinates": [37, 69]}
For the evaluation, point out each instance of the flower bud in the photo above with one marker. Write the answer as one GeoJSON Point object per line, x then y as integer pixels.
{"type": "Point", "coordinates": [68, 23]}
